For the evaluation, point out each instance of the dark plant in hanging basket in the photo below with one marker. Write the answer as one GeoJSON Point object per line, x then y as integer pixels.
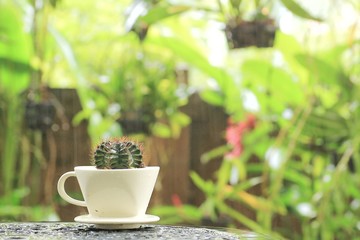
{"type": "Point", "coordinates": [133, 126]}
{"type": "Point", "coordinates": [133, 123]}
{"type": "Point", "coordinates": [258, 33]}
{"type": "Point", "coordinates": [39, 115]}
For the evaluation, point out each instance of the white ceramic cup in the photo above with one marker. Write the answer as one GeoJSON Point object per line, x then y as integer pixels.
{"type": "Point", "coordinates": [115, 193]}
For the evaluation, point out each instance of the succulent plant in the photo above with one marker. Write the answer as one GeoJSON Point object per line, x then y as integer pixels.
{"type": "Point", "coordinates": [118, 154]}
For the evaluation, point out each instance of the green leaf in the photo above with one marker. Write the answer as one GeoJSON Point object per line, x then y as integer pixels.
{"type": "Point", "coordinates": [214, 153]}
{"type": "Point", "coordinates": [177, 122]}
{"type": "Point", "coordinates": [15, 197]}
{"type": "Point", "coordinates": [161, 130]}
{"type": "Point", "coordinates": [213, 97]}
{"type": "Point", "coordinates": [318, 166]}
{"type": "Point", "coordinates": [181, 118]}
{"type": "Point", "coordinates": [287, 44]}
{"type": "Point", "coordinates": [15, 51]}
{"type": "Point", "coordinates": [15, 44]}
{"type": "Point", "coordinates": [258, 203]}
{"type": "Point", "coordinates": [299, 11]}
{"type": "Point", "coordinates": [328, 67]}
{"type": "Point", "coordinates": [185, 211]}
{"type": "Point", "coordinates": [241, 168]}
{"type": "Point", "coordinates": [282, 90]}
{"type": "Point", "coordinates": [298, 178]}
{"type": "Point", "coordinates": [223, 174]}
{"type": "Point", "coordinates": [333, 56]}
{"type": "Point", "coordinates": [189, 54]}
{"type": "Point", "coordinates": [290, 47]}
{"type": "Point", "coordinates": [161, 12]}
{"type": "Point", "coordinates": [246, 184]}
{"type": "Point", "coordinates": [206, 186]}
{"type": "Point", "coordinates": [14, 211]}
{"type": "Point", "coordinates": [177, 214]}
{"type": "Point", "coordinates": [69, 55]}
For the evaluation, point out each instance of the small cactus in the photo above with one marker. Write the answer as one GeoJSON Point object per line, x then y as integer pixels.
{"type": "Point", "coordinates": [118, 154]}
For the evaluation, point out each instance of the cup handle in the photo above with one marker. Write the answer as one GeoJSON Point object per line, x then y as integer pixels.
{"type": "Point", "coordinates": [62, 192]}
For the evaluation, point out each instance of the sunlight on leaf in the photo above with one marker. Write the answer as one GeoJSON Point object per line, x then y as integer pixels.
{"type": "Point", "coordinates": [306, 210]}
{"type": "Point", "coordinates": [275, 157]}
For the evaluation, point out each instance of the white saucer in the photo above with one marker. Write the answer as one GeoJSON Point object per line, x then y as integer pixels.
{"type": "Point", "coordinates": [117, 223]}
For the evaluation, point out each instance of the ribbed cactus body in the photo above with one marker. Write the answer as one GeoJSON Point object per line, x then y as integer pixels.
{"type": "Point", "coordinates": [118, 154]}
{"type": "Point", "coordinates": [101, 157]}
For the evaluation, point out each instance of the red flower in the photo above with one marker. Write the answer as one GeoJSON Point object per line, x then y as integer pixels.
{"type": "Point", "coordinates": [235, 132]}
{"type": "Point", "coordinates": [176, 201]}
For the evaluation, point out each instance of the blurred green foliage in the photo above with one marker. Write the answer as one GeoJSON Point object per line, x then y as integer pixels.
{"type": "Point", "coordinates": [300, 163]}
{"type": "Point", "coordinates": [302, 154]}
{"type": "Point", "coordinates": [15, 52]}
{"type": "Point", "coordinates": [21, 60]}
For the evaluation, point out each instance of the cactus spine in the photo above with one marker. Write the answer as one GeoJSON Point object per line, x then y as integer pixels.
{"type": "Point", "coordinates": [118, 154]}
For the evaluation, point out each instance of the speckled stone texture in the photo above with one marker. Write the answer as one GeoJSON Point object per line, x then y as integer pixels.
{"type": "Point", "coordinates": [74, 231]}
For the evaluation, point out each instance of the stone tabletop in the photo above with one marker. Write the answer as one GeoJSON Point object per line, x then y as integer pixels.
{"type": "Point", "coordinates": [74, 231]}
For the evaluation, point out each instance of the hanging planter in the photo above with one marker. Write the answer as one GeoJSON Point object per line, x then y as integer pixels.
{"type": "Point", "coordinates": [258, 33]}
{"type": "Point", "coordinates": [248, 23]}
{"type": "Point", "coordinates": [132, 122]}
{"type": "Point", "coordinates": [39, 115]}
